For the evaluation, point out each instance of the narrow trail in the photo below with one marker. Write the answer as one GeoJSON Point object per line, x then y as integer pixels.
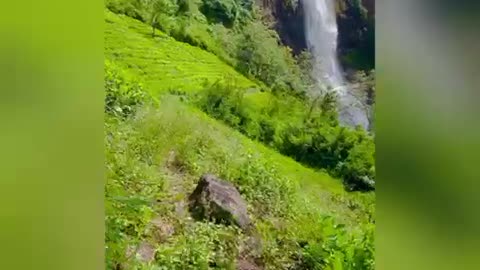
{"type": "Point", "coordinates": [178, 186]}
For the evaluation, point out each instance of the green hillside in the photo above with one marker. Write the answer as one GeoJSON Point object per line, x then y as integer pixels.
{"type": "Point", "coordinates": [163, 63]}
{"type": "Point", "coordinates": [154, 160]}
{"type": "Point", "coordinates": [174, 112]}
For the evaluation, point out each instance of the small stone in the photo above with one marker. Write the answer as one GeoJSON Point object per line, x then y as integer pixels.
{"type": "Point", "coordinates": [145, 252]}
{"type": "Point", "coordinates": [180, 209]}
{"type": "Point", "coordinates": [130, 251]}
{"type": "Point", "coordinates": [243, 264]}
{"type": "Point", "coordinates": [161, 229]}
{"type": "Point", "coordinates": [253, 245]}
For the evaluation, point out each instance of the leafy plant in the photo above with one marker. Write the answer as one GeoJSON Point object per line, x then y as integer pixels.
{"type": "Point", "coordinates": [223, 11]}
{"type": "Point", "coordinates": [123, 93]}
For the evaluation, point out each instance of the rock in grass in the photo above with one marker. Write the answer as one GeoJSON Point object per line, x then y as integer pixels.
{"type": "Point", "coordinates": [161, 229]}
{"type": "Point", "coordinates": [145, 252]}
{"type": "Point", "coordinates": [243, 264]}
{"type": "Point", "coordinates": [219, 201]}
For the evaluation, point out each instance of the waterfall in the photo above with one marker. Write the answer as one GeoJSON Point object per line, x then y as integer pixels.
{"type": "Point", "coordinates": [321, 36]}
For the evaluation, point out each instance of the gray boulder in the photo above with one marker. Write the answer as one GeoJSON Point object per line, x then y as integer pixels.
{"type": "Point", "coordinates": [219, 201]}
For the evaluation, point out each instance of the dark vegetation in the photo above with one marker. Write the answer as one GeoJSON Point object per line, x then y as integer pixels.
{"type": "Point", "coordinates": [356, 23]}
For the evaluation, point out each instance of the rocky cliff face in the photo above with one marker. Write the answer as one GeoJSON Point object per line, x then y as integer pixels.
{"type": "Point", "coordinates": [356, 39]}
{"type": "Point", "coordinates": [288, 18]}
{"type": "Point", "coordinates": [356, 25]}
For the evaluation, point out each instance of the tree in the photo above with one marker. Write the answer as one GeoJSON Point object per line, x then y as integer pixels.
{"type": "Point", "coordinates": [157, 8]}
{"type": "Point", "coordinates": [224, 11]}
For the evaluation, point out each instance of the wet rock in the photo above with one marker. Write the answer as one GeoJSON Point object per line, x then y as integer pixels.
{"type": "Point", "coordinates": [219, 201]}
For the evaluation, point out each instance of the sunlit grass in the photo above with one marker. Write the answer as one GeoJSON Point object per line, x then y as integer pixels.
{"type": "Point", "coordinates": [164, 63]}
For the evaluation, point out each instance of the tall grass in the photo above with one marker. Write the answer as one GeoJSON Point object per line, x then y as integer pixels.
{"type": "Point", "coordinates": [139, 187]}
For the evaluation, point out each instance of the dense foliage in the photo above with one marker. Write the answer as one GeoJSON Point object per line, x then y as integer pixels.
{"type": "Point", "coordinates": [310, 135]}
{"type": "Point", "coordinates": [357, 34]}
{"type": "Point", "coordinates": [260, 56]}
{"type": "Point", "coordinates": [223, 11]}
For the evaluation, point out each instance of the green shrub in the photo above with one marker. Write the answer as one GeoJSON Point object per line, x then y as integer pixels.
{"type": "Point", "coordinates": [131, 8]}
{"type": "Point", "coordinates": [190, 31]}
{"type": "Point", "coordinates": [346, 153]}
{"type": "Point", "coordinates": [314, 138]}
{"type": "Point", "coordinates": [358, 168]}
{"type": "Point", "coordinates": [185, 6]}
{"type": "Point", "coordinates": [222, 100]}
{"type": "Point", "coordinates": [220, 11]}
{"type": "Point", "coordinates": [271, 193]}
{"type": "Point", "coordinates": [123, 93]}
{"type": "Point", "coordinates": [260, 56]}
{"type": "Point", "coordinates": [201, 246]}
{"type": "Point", "coordinates": [339, 250]}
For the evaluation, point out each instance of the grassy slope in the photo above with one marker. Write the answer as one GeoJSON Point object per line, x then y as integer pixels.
{"type": "Point", "coordinates": [168, 64]}
{"type": "Point", "coordinates": [163, 62]}
{"type": "Point", "coordinates": [189, 124]}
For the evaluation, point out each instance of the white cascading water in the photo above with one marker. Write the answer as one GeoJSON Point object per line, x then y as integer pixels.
{"type": "Point", "coordinates": [321, 34]}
